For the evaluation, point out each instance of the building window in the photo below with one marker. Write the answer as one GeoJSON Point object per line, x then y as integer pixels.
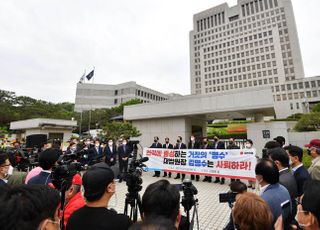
{"type": "Point", "coordinates": [291, 106]}
{"type": "Point", "coordinates": [298, 106]}
{"type": "Point", "coordinates": [116, 93]}
{"type": "Point", "coordinates": [115, 101]}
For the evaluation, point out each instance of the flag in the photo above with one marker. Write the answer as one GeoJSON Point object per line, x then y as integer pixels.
{"type": "Point", "coordinates": [90, 75]}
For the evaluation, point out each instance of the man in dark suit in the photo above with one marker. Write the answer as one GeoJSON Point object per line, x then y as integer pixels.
{"type": "Point", "coordinates": [47, 159]}
{"type": "Point", "coordinates": [180, 145]}
{"type": "Point", "coordinates": [95, 152]}
{"type": "Point", "coordinates": [167, 145]}
{"type": "Point", "coordinates": [300, 173]}
{"type": "Point", "coordinates": [124, 153]}
{"type": "Point", "coordinates": [272, 192]}
{"type": "Point", "coordinates": [205, 145]}
{"type": "Point", "coordinates": [156, 145]}
{"type": "Point", "coordinates": [110, 152]}
{"type": "Point", "coordinates": [194, 144]}
{"type": "Point", "coordinates": [281, 159]}
{"type": "Point", "coordinates": [218, 145]}
{"type": "Point", "coordinates": [232, 145]}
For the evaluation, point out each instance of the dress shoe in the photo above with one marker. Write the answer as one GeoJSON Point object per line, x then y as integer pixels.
{"type": "Point", "coordinates": [154, 175]}
{"type": "Point", "coordinates": [216, 181]}
{"type": "Point", "coordinates": [164, 176]}
{"type": "Point", "coordinates": [222, 182]}
{"type": "Point", "coordinates": [176, 177]}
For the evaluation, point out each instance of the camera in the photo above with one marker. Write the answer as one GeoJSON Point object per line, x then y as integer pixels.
{"type": "Point", "coordinates": [229, 197]}
{"type": "Point", "coordinates": [133, 178]}
{"type": "Point", "coordinates": [64, 173]}
{"type": "Point", "coordinates": [189, 190]}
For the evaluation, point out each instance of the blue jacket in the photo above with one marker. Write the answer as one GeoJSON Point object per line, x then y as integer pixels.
{"type": "Point", "coordinates": [274, 195]}
{"type": "Point", "coordinates": [301, 175]}
{"type": "Point", "coordinates": [42, 178]}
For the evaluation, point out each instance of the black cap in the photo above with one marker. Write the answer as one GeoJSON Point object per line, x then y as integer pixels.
{"type": "Point", "coordinates": [97, 178]}
{"type": "Point", "coordinates": [48, 158]}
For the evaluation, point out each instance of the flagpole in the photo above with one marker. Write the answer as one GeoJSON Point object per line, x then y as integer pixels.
{"type": "Point", "coordinates": [80, 123]}
{"type": "Point", "coordinates": [93, 75]}
{"type": "Point", "coordinates": [84, 78]}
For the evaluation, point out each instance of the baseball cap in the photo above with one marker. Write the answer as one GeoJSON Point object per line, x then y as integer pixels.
{"type": "Point", "coordinates": [77, 180]}
{"type": "Point", "coordinates": [97, 178]}
{"type": "Point", "coordinates": [313, 143]}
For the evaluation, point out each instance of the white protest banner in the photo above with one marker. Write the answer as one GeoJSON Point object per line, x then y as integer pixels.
{"type": "Point", "coordinates": [229, 163]}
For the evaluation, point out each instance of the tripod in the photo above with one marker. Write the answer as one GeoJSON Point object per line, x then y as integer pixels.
{"type": "Point", "coordinates": [190, 224]}
{"type": "Point", "coordinates": [133, 199]}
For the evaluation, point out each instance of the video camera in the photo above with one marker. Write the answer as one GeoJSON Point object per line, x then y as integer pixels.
{"type": "Point", "coordinates": [64, 174]}
{"type": "Point", "coordinates": [228, 197]}
{"type": "Point", "coordinates": [133, 178]}
{"type": "Point", "coordinates": [189, 190]}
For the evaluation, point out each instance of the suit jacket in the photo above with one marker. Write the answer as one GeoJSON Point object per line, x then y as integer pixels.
{"type": "Point", "coordinates": [288, 181]}
{"type": "Point", "coordinates": [233, 146]}
{"type": "Point", "coordinates": [156, 145]}
{"type": "Point", "coordinates": [170, 146]}
{"type": "Point", "coordinates": [124, 152]}
{"type": "Point", "coordinates": [2, 182]}
{"type": "Point", "coordinates": [219, 145]}
{"type": "Point", "coordinates": [196, 145]}
{"type": "Point", "coordinates": [274, 195]}
{"type": "Point", "coordinates": [301, 175]}
{"type": "Point", "coordinates": [314, 169]}
{"type": "Point", "coordinates": [42, 178]}
{"type": "Point", "coordinates": [110, 153]}
{"type": "Point", "coordinates": [207, 146]}
{"type": "Point", "coordinates": [94, 154]}
{"type": "Point", "coordinates": [182, 146]}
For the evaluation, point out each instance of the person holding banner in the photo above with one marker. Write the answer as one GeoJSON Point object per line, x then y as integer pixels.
{"type": "Point", "coordinates": [156, 145]}
{"type": "Point", "coordinates": [194, 144]}
{"type": "Point", "coordinates": [180, 145]}
{"type": "Point", "coordinates": [205, 145]}
{"type": "Point", "coordinates": [167, 145]}
{"type": "Point", "coordinates": [218, 145]}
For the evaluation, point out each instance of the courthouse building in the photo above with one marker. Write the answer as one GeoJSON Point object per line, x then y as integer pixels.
{"type": "Point", "coordinates": [96, 96]}
{"type": "Point", "coordinates": [252, 44]}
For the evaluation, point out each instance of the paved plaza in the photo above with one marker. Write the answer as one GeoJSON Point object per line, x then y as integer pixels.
{"type": "Point", "coordinates": [212, 214]}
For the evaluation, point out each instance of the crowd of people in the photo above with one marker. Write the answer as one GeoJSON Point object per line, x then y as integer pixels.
{"type": "Point", "coordinates": [35, 202]}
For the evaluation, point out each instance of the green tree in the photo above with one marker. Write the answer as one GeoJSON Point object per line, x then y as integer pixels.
{"type": "Point", "coordinates": [309, 122]}
{"type": "Point", "coordinates": [117, 129]}
{"type": "Point", "coordinates": [316, 108]}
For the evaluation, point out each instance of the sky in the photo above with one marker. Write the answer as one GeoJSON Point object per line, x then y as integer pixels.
{"type": "Point", "coordinates": [46, 45]}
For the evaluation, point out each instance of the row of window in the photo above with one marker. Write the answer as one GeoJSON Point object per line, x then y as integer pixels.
{"type": "Point", "coordinates": [209, 22]}
{"type": "Point", "coordinates": [239, 85]}
{"type": "Point", "coordinates": [294, 86]}
{"type": "Point", "coordinates": [296, 96]}
{"type": "Point", "coordinates": [246, 24]}
{"type": "Point", "coordinates": [257, 6]}
{"type": "Point", "coordinates": [150, 96]}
